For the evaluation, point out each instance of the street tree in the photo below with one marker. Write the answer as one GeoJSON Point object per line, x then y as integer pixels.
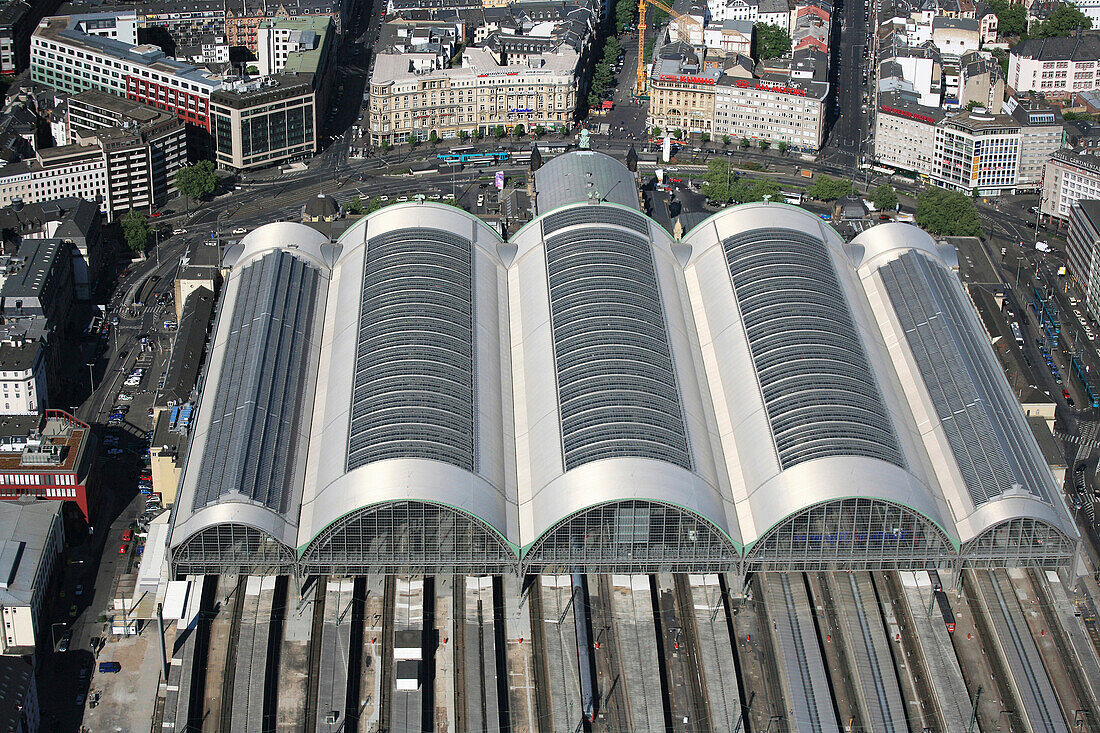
{"type": "Point", "coordinates": [705, 138]}
{"type": "Point", "coordinates": [355, 206]}
{"type": "Point", "coordinates": [885, 198]}
{"type": "Point", "coordinates": [624, 14]}
{"type": "Point", "coordinates": [726, 140]}
{"type": "Point", "coordinates": [827, 188]}
{"type": "Point", "coordinates": [539, 130]}
{"type": "Point", "coordinates": [772, 42]}
{"type": "Point", "coordinates": [745, 143]}
{"type": "Point", "coordinates": [500, 131]}
{"type": "Point", "coordinates": [519, 131]}
{"type": "Point", "coordinates": [463, 135]}
{"type": "Point", "coordinates": [948, 213]}
{"type": "Point", "coordinates": [433, 137]}
{"type": "Point", "coordinates": [765, 144]}
{"type": "Point", "coordinates": [197, 181]}
{"type": "Point", "coordinates": [135, 230]}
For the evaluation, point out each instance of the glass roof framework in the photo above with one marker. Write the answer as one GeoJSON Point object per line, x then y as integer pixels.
{"type": "Point", "coordinates": [819, 392]}
{"type": "Point", "coordinates": [617, 390]}
{"type": "Point", "coordinates": [413, 395]}
{"type": "Point", "coordinates": [256, 428]}
{"type": "Point", "coordinates": [407, 537]}
{"type": "Point", "coordinates": [635, 537]}
{"type": "Point", "coordinates": [957, 373]}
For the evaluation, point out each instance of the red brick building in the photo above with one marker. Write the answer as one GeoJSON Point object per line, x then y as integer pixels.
{"type": "Point", "coordinates": [51, 456]}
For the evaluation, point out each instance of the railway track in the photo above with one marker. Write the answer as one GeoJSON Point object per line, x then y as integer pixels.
{"type": "Point", "coordinates": [315, 633]}
{"type": "Point", "coordinates": [689, 653]}
{"type": "Point", "coordinates": [385, 712]}
{"type": "Point", "coordinates": [229, 671]}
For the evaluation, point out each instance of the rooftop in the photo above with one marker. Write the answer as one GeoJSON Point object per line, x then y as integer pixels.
{"type": "Point", "coordinates": [982, 121]}
{"type": "Point", "coordinates": [25, 526]}
{"type": "Point", "coordinates": [30, 267]}
{"type": "Point", "coordinates": [16, 681]}
{"type": "Point", "coordinates": [33, 443]}
{"type": "Point", "coordinates": [187, 347]}
{"type": "Point", "coordinates": [1079, 47]}
{"type": "Point", "coordinates": [582, 176]}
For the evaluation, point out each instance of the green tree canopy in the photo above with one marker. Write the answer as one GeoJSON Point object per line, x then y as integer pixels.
{"type": "Point", "coordinates": [1011, 18]}
{"type": "Point", "coordinates": [772, 42]}
{"type": "Point", "coordinates": [375, 204]}
{"type": "Point", "coordinates": [885, 197]}
{"type": "Point", "coordinates": [355, 206]}
{"type": "Point", "coordinates": [135, 230]}
{"type": "Point", "coordinates": [723, 185]}
{"type": "Point", "coordinates": [197, 181]}
{"type": "Point", "coordinates": [624, 14]}
{"type": "Point", "coordinates": [1064, 22]}
{"type": "Point", "coordinates": [948, 213]}
{"type": "Point", "coordinates": [519, 131]}
{"type": "Point", "coordinates": [827, 188]}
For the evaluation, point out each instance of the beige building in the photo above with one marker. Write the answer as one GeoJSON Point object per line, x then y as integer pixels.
{"type": "Point", "coordinates": [411, 95]}
{"type": "Point", "coordinates": [31, 539]}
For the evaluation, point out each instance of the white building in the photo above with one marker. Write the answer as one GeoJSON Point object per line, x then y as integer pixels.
{"type": "Point", "coordinates": [1040, 135]}
{"type": "Point", "coordinates": [31, 539]}
{"type": "Point", "coordinates": [772, 12]}
{"type": "Point", "coordinates": [977, 152]}
{"type": "Point", "coordinates": [905, 133]}
{"type": "Point", "coordinates": [282, 38]}
{"type": "Point", "coordinates": [1055, 67]}
{"type": "Point", "coordinates": [1068, 177]}
{"type": "Point", "coordinates": [955, 36]}
{"type": "Point", "coordinates": [22, 372]}
{"type": "Point", "coordinates": [730, 36]}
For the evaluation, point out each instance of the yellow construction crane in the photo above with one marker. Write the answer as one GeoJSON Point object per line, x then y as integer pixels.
{"type": "Point", "coordinates": [684, 24]}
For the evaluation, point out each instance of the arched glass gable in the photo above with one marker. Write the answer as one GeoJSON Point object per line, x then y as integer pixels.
{"type": "Point", "coordinates": [632, 536]}
{"type": "Point", "coordinates": [407, 537]}
{"type": "Point", "coordinates": [232, 548]}
{"type": "Point", "coordinates": [852, 534]}
{"type": "Point", "coordinates": [1019, 542]}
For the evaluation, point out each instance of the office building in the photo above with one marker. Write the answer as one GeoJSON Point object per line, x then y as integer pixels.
{"type": "Point", "coordinates": [51, 456]}
{"type": "Point", "coordinates": [665, 421]}
{"type": "Point", "coordinates": [68, 54]}
{"type": "Point", "coordinates": [1083, 251]}
{"type": "Point", "coordinates": [1068, 177]}
{"type": "Point", "coordinates": [31, 540]}
{"type": "Point", "coordinates": [905, 133]}
{"type": "Point", "coordinates": [977, 152]}
{"type": "Point", "coordinates": [242, 26]}
{"type": "Point", "coordinates": [1040, 135]}
{"type": "Point", "coordinates": [266, 121]}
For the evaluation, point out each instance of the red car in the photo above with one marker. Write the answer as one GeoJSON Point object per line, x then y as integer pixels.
{"type": "Point", "coordinates": [1065, 393]}
{"type": "Point", "coordinates": [123, 549]}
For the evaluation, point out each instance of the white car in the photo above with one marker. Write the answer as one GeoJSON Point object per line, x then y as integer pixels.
{"type": "Point", "coordinates": [179, 230]}
{"type": "Point", "coordinates": [402, 198]}
{"type": "Point", "coordinates": [448, 197]}
{"type": "Point", "coordinates": [383, 197]}
{"type": "Point", "coordinates": [125, 397]}
{"type": "Point", "coordinates": [240, 230]}
{"type": "Point", "coordinates": [433, 197]}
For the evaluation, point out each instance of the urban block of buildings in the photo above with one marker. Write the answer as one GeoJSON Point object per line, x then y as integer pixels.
{"type": "Point", "coordinates": [1055, 67]}
{"type": "Point", "coordinates": [524, 67]}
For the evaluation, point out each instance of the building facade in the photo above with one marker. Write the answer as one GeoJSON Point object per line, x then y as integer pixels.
{"type": "Point", "coordinates": [905, 133]}
{"type": "Point", "coordinates": [1068, 177]}
{"type": "Point", "coordinates": [187, 22]}
{"type": "Point", "coordinates": [1055, 67]}
{"type": "Point", "coordinates": [265, 122]}
{"type": "Point", "coordinates": [1040, 135]}
{"type": "Point", "coordinates": [1083, 251]}
{"type": "Point", "coordinates": [23, 388]}
{"type": "Point", "coordinates": [411, 95]}
{"type": "Point", "coordinates": [66, 55]}
{"type": "Point", "coordinates": [977, 152]}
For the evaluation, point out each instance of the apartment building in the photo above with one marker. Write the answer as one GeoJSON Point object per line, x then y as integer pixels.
{"type": "Point", "coordinates": [905, 132]}
{"type": "Point", "coordinates": [70, 54]}
{"type": "Point", "coordinates": [1068, 177]}
{"type": "Point", "coordinates": [51, 457]}
{"type": "Point", "coordinates": [977, 152]}
{"type": "Point", "coordinates": [772, 12]}
{"type": "Point", "coordinates": [410, 94]}
{"type": "Point", "coordinates": [242, 26]}
{"type": "Point", "coordinates": [285, 41]}
{"type": "Point", "coordinates": [188, 22]}
{"type": "Point", "coordinates": [1055, 67]}
{"type": "Point", "coordinates": [31, 540]}
{"type": "Point", "coordinates": [121, 168]}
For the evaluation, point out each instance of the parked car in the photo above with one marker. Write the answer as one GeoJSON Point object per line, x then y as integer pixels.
{"type": "Point", "coordinates": [110, 667]}
{"type": "Point", "coordinates": [63, 645]}
{"type": "Point", "coordinates": [240, 230]}
{"type": "Point", "coordinates": [114, 451]}
{"type": "Point", "coordinates": [79, 590]}
{"type": "Point", "coordinates": [122, 550]}
{"type": "Point", "coordinates": [127, 535]}
{"type": "Point", "coordinates": [179, 230]}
